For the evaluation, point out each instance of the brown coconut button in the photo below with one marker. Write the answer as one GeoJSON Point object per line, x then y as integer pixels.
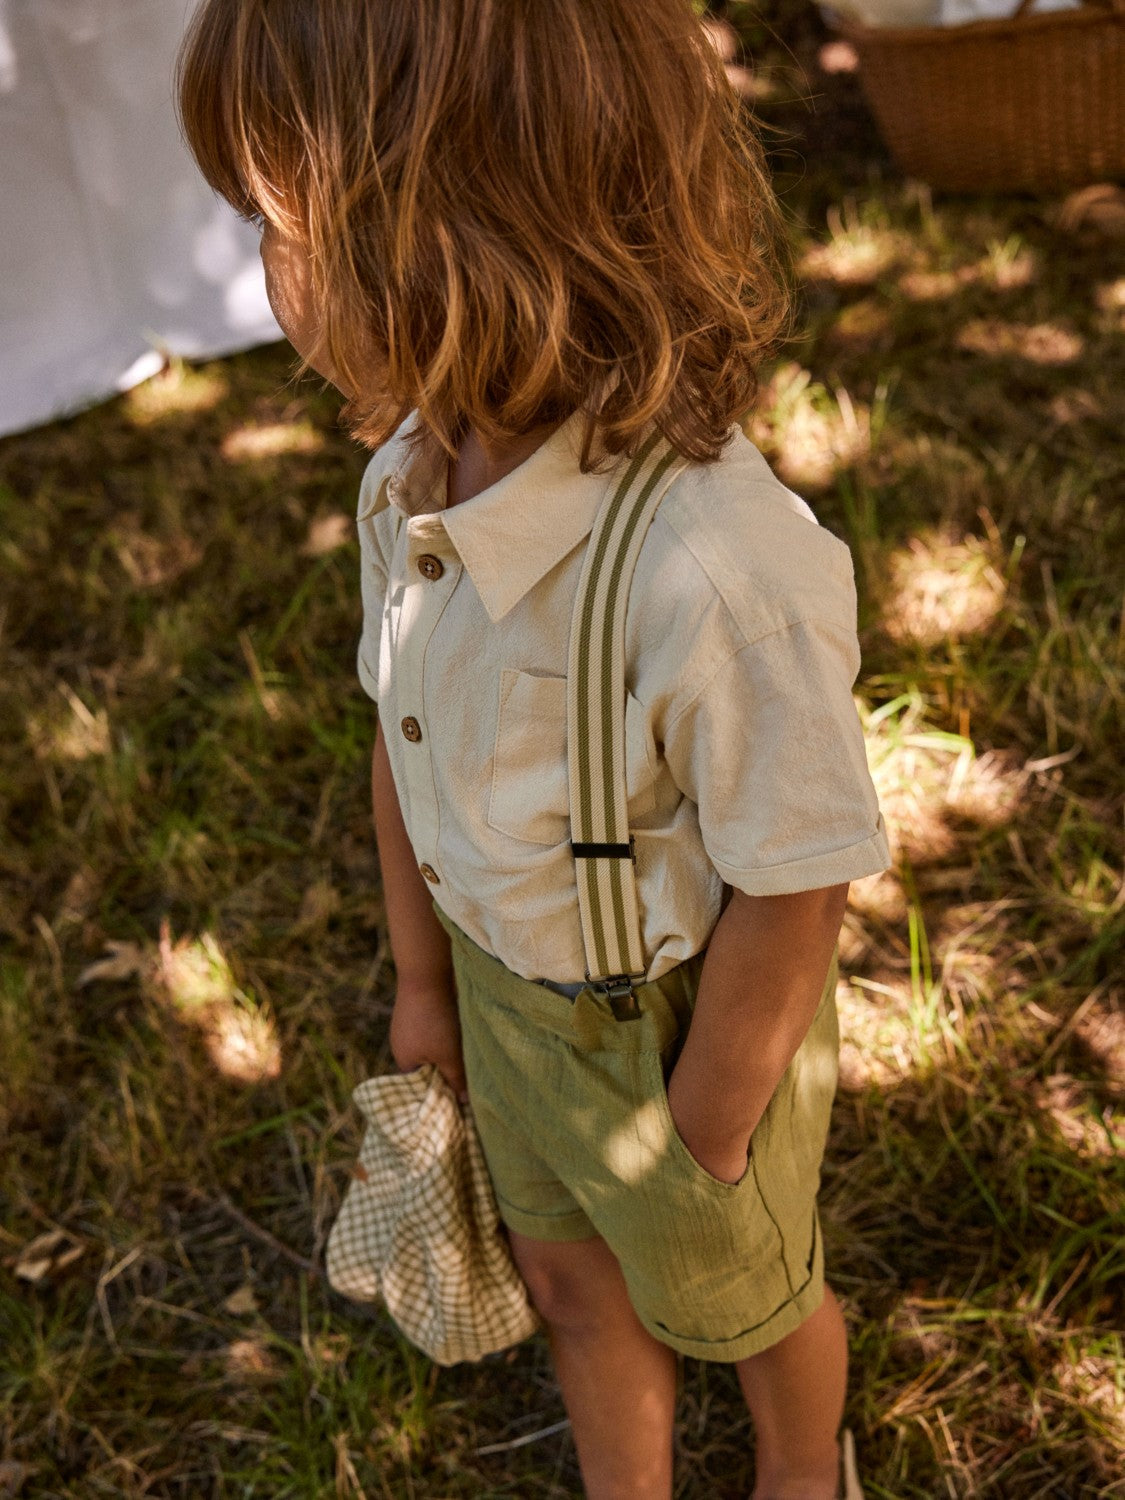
{"type": "Point", "coordinates": [412, 730]}
{"type": "Point", "coordinates": [430, 874]}
{"type": "Point", "coordinates": [430, 567]}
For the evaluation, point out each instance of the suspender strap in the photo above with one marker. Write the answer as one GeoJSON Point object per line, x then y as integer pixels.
{"type": "Point", "coordinates": [603, 849]}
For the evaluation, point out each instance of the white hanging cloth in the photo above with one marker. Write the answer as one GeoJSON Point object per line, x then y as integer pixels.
{"type": "Point", "coordinates": [112, 247]}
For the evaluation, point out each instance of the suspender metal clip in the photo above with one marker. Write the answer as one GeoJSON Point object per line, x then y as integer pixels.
{"type": "Point", "coordinates": [620, 991]}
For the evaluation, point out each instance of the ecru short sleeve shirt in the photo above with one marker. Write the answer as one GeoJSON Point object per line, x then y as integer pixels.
{"type": "Point", "coordinates": [745, 757]}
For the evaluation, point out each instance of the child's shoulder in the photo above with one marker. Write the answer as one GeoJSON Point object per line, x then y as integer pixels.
{"type": "Point", "coordinates": [756, 544]}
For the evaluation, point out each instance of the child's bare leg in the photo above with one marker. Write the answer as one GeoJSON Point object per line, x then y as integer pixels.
{"type": "Point", "coordinates": [795, 1392]}
{"type": "Point", "coordinates": [618, 1382]}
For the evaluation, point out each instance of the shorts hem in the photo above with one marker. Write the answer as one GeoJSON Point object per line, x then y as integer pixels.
{"type": "Point", "coordinates": [555, 1227]}
{"type": "Point", "coordinates": [788, 1316]}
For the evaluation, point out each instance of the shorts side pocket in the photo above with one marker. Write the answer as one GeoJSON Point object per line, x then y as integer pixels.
{"type": "Point", "coordinates": [656, 1068]}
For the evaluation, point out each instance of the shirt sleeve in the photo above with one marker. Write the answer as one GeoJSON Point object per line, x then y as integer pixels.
{"type": "Point", "coordinates": [373, 587]}
{"type": "Point", "coordinates": [771, 751]}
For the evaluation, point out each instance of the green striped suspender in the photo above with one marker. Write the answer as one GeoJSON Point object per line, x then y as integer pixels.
{"type": "Point", "coordinates": [603, 852]}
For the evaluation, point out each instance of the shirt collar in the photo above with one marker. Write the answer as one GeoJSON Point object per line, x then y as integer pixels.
{"type": "Point", "coordinates": [513, 533]}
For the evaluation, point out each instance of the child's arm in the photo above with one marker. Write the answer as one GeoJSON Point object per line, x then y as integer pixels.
{"type": "Point", "coordinates": [761, 983]}
{"type": "Point", "coordinates": [424, 1026]}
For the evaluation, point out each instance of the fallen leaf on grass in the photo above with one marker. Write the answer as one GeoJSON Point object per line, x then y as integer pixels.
{"type": "Point", "coordinates": [46, 1255]}
{"type": "Point", "coordinates": [249, 1363]}
{"type": "Point", "coordinates": [241, 1301]}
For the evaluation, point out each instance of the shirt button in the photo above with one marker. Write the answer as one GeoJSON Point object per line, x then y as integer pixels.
{"type": "Point", "coordinates": [412, 730]}
{"type": "Point", "coordinates": [430, 567]}
{"type": "Point", "coordinates": [430, 874]}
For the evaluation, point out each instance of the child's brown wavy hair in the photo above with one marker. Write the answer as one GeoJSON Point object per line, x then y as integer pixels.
{"type": "Point", "coordinates": [512, 208]}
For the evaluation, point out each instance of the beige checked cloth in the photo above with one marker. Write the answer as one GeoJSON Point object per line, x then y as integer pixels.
{"type": "Point", "coordinates": [419, 1227]}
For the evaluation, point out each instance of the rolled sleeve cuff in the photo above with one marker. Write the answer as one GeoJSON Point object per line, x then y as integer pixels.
{"type": "Point", "coordinates": [852, 863]}
{"type": "Point", "coordinates": [367, 678]}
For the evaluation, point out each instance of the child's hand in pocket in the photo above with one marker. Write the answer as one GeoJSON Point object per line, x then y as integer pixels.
{"type": "Point", "coordinates": [720, 1146]}
{"type": "Point", "coordinates": [425, 1029]}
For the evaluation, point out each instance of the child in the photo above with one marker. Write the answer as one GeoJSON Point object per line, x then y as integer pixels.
{"type": "Point", "coordinates": [521, 239]}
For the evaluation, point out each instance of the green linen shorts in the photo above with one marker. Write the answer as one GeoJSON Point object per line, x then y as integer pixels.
{"type": "Point", "coordinates": [573, 1116]}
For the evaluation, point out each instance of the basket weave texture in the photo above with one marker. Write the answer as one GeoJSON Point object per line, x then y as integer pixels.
{"type": "Point", "coordinates": [1034, 103]}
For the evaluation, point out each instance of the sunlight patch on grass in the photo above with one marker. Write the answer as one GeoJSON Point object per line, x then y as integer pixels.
{"type": "Point", "coordinates": [1101, 1030]}
{"type": "Point", "coordinates": [1094, 1383]}
{"type": "Point", "coordinates": [923, 775]}
{"type": "Point", "coordinates": [1109, 298]}
{"type": "Point", "coordinates": [809, 433]}
{"type": "Point", "coordinates": [195, 974]}
{"type": "Point", "coordinates": [879, 896]}
{"type": "Point", "coordinates": [856, 253]}
{"type": "Point", "coordinates": [970, 943]}
{"type": "Point", "coordinates": [251, 444]}
{"type": "Point", "coordinates": [761, 87]}
{"type": "Point", "coordinates": [875, 1044]}
{"type": "Point", "coordinates": [326, 533]}
{"type": "Point", "coordinates": [986, 788]}
{"type": "Point", "coordinates": [936, 286]}
{"type": "Point", "coordinates": [241, 1041]}
{"type": "Point", "coordinates": [1067, 1101]}
{"type": "Point", "coordinates": [195, 979]}
{"type": "Point", "coordinates": [1009, 265]}
{"type": "Point", "coordinates": [913, 768]}
{"type": "Point", "coordinates": [249, 1361]}
{"type": "Point", "coordinates": [178, 390]}
{"type": "Point", "coordinates": [1038, 343]}
{"type": "Point", "coordinates": [863, 326]}
{"type": "Point", "coordinates": [942, 587]}
{"type": "Point", "coordinates": [68, 731]}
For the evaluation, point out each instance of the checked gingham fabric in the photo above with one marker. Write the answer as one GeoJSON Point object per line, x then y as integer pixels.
{"type": "Point", "coordinates": [419, 1227]}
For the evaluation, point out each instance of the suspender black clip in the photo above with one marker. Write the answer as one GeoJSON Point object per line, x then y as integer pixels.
{"type": "Point", "coordinates": [605, 851]}
{"type": "Point", "coordinates": [619, 990]}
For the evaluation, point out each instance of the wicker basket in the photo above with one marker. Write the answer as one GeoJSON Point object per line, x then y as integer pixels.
{"type": "Point", "coordinates": [1032, 103]}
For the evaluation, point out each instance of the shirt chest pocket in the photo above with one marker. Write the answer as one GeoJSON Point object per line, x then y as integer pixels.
{"type": "Point", "coordinates": [530, 797]}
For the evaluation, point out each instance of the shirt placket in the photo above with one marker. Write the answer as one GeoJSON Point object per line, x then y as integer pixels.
{"type": "Point", "coordinates": [427, 574]}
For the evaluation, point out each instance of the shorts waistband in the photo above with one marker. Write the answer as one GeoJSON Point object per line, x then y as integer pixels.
{"type": "Point", "coordinates": [587, 1020]}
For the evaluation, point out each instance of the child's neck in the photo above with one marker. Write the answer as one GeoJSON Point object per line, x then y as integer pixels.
{"type": "Point", "coordinates": [480, 463]}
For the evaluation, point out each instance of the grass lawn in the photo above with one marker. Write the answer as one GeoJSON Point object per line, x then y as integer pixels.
{"type": "Point", "coordinates": [194, 973]}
